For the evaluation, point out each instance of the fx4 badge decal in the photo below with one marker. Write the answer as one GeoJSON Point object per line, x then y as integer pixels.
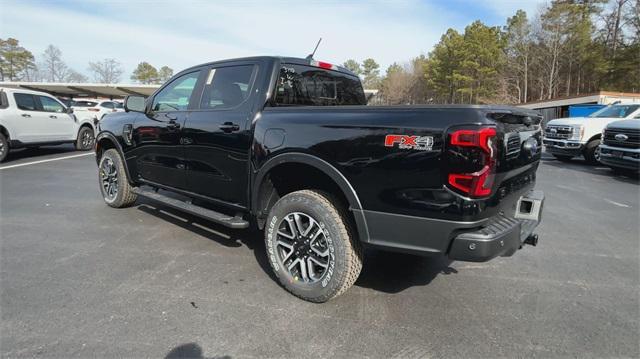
{"type": "Point", "coordinates": [422, 143]}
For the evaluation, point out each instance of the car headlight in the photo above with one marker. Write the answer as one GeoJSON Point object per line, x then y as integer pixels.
{"type": "Point", "coordinates": [578, 132]}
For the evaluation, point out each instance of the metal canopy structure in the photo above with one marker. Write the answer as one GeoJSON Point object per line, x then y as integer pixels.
{"type": "Point", "coordinates": [85, 89]}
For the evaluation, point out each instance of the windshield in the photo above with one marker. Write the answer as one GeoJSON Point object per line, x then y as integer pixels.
{"type": "Point", "coordinates": [615, 111]}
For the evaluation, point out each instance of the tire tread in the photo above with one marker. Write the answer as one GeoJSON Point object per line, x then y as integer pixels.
{"type": "Point", "coordinates": [353, 250]}
{"type": "Point", "coordinates": [126, 196]}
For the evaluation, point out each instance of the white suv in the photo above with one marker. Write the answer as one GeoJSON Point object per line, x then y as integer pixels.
{"type": "Point", "coordinates": [94, 109]}
{"type": "Point", "coordinates": [31, 119]}
{"type": "Point", "coordinates": [566, 138]}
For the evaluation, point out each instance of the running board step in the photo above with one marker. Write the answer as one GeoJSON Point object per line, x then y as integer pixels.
{"type": "Point", "coordinates": [220, 218]}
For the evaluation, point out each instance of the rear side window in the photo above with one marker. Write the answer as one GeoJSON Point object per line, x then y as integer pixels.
{"type": "Point", "coordinates": [226, 87]}
{"type": "Point", "coordinates": [300, 85]}
{"type": "Point", "coordinates": [25, 101]}
{"type": "Point", "coordinates": [4, 102]}
{"type": "Point", "coordinates": [107, 105]}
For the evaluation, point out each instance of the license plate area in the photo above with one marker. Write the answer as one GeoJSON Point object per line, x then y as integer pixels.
{"type": "Point", "coordinates": [616, 154]}
{"type": "Point", "coordinates": [529, 206]}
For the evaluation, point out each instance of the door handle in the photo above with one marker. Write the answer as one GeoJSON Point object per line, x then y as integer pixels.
{"type": "Point", "coordinates": [26, 115]}
{"type": "Point", "coordinates": [53, 116]}
{"type": "Point", "coordinates": [229, 127]}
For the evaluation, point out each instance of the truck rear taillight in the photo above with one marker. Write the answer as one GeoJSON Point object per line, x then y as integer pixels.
{"type": "Point", "coordinates": [324, 65]}
{"type": "Point", "coordinates": [472, 171]}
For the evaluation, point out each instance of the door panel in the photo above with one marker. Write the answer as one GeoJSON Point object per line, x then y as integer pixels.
{"type": "Point", "coordinates": [159, 154]}
{"type": "Point", "coordinates": [217, 138]}
{"type": "Point", "coordinates": [158, 151]}
{"type": "Point", "coordinates": [30, 124]}
{"type": "Point", "coordinates": [60, 126]}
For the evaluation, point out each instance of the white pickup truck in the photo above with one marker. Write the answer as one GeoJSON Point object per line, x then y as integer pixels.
{"type": "Point", "coordinates": [32, 119]}
{"type": "Point", "coordinates": [566, 138]}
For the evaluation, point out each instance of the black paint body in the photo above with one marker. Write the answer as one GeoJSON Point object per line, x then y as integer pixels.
{"type": "Point", "coordinates": [398, 197]}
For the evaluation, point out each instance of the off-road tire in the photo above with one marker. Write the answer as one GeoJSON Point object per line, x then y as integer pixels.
{"type": "Point", "coordinates": [82, 144]}
{"type": "Point", "coordinates": [345, 260]}
{"type": "Point", "coordinates": [124, 196]}
{"type": "Point", "coordinates": [4, 147]}
{"type": "Point", "coordinates": [590, 151]}
{"type": "Point", "coordinates": [563, 158]}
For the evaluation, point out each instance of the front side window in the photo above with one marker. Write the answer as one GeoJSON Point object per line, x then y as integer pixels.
{"type": "Point", "coordinates": [176, 95]}
{"type": "Point", "coordinates": [50, 105]}
{"type": "Point", "coordinates": [615, 111]}
{"type": "Point", "coordinates": [226, 87]}
{"type": "Point", "coordinates": [25, 102]}
{"type": "Point", "coordinates": [300, 85]}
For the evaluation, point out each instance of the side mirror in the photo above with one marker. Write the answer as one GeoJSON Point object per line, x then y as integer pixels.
{"type": "Point", "coordinates": [69, 110]}
{"type": "Point", "coordinates": [134, 103]}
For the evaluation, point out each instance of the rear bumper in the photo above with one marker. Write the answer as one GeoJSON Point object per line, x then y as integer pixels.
{"type": "Point", "coordinates": [563, 147]}
{"type": "Point", "coordinates": [627, 158]}
{"type": "Point", "coordinates": [501, 235]}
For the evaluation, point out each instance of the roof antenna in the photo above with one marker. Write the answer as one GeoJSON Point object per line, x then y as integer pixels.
{"type": "Point", "coordinates": [310, 56]}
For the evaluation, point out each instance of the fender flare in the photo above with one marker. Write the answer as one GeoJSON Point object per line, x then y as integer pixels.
{"type": "Point", "coordinates": [112, 138]}
{"type": "Point", "coordinates": [7, 131]}
{"type": "Point", "coordinates": [355, 206]}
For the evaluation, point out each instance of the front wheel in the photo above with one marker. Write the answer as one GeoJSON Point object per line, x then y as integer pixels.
{"type": "Point", "coordinates": [592, 152]}
{"type": "Point", "coordinates": [85, 139]}
{"type": "Point", "coordinates": [311, 246]}
{"type": "Point", "coordinates": [4, 147]}
{"type": "Point", "coordinates": [114, 186]}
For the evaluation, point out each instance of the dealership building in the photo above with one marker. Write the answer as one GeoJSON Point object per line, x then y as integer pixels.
{"type": "Point", "coordinates": [579, 105]}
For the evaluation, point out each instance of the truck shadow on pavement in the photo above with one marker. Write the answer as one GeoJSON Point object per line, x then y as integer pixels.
{"type": "Point", "coordinates": [250, 238]}
{"type": "Point", "coordinates": [394, 272]}
{"type": "Point", "coordinates": [190, 351]}
{"type": "Point", "coordinates": [387, 272]}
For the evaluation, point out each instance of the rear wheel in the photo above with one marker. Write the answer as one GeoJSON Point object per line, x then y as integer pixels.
{"type": "Point", "coordinates": [563, 158]}
{"type": "Point", "coordinates": [311, 246]}
{"type": "Point", "coordinates": [85, 139]}
{"type": "Point", "coordinates": [592, 152]}
{"type": "Point", "coordinates": [4, 147]}
{"type": "Point", "coordinates": [114, 186]}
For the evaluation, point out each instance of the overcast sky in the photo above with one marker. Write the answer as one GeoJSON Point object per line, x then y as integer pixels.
{"type": "Point", "coordinates": [185, 33]}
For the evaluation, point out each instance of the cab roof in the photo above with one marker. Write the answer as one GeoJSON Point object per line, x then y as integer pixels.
{"type": "Point", "coordinates": [282, 59]}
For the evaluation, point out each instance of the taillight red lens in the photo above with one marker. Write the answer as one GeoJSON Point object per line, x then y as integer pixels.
{"type": "Point", "coordinates": [477, 184]}
{"type": "Point", "coordinates": [474, 138]}
{"type": "Point", "coordinates": [93, 109]}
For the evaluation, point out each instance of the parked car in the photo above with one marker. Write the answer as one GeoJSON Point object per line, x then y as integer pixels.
{"type": "Point", "coordinates": [31, 118]}
{"type": "Point", "coordinates": [93, 109]}
{"type": "Point", "coordinates": [119, 106]}
{"type": "Point", "coordinates": [566, 138]}
{"type": "Point", "coordinates": [289, 145]}
{"type": "Point", "coordinates": [620, 148]}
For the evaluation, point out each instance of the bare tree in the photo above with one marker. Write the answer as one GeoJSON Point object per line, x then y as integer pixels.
{"type": "Point", "coordinates": [75, 76]}
{"type": "Point", "coordinates": [107, 71]}
{"type": "Point", "coordinates": [52, 66]}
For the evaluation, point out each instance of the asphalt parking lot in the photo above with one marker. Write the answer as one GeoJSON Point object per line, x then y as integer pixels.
{"type": "Point", "coordinates": [80, 279]}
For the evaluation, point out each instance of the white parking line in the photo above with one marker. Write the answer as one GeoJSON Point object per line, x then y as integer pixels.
{"type": "Point", "coordinates": [617, 203]}
{"type": "Point", "coordinates": [43, 161]}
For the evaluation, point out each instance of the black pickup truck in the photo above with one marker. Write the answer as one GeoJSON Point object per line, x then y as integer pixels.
{"type": "Point", "coordinates": [288, 145]}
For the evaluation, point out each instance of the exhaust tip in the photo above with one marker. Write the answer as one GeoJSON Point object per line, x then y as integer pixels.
{"type": "Point", "coordinates": [532, 240]}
